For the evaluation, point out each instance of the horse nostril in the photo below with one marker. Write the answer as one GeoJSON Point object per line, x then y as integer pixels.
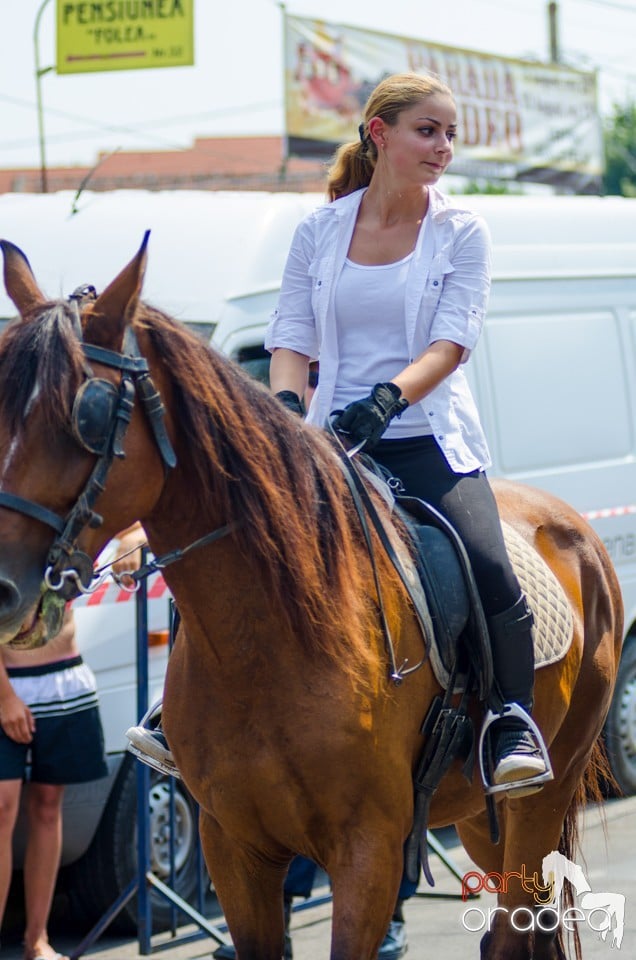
{"type": "Point", "coordinates": [9, 597]}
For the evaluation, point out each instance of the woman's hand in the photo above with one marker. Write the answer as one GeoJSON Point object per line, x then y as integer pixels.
{"type": "Point", "coordinates": [131, 539]}
{"type": "Point", "coordinates": [16, 719]}
{"type": "Point", "coordinates": [367, 419]}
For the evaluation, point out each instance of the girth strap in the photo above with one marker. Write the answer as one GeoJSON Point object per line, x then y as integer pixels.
{"type": "Point", "coordinates": [449, 734]}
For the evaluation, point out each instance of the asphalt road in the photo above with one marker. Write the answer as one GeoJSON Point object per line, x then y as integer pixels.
{"type": "Point", "coordinates": [436, 923]}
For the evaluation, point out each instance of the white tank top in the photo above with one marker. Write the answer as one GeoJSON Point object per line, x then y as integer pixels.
{"type": "Point", "coordinates": [369, 303]}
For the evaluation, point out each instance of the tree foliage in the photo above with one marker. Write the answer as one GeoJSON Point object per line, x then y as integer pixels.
{"type": "Point", "coordinates": [620, 151]}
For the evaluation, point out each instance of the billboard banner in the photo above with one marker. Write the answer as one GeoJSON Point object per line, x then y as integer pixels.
{"type": "Point", "coordinates": [517, 120]}
{"type": "Point", "coordinates": [118, 35]}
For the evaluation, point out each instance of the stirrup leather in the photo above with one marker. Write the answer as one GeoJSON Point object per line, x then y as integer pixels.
{"type": "Point", "coordinates": [151, 714]}
{"type": "Point", "coordinates": [485, 754]}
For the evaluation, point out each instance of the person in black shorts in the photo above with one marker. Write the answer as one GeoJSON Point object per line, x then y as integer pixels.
{"type": "Point", "coordinates": [50, 736]}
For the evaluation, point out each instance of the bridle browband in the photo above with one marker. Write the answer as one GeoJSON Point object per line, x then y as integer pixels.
{"type": "Point", "coordinates": [100, 418]}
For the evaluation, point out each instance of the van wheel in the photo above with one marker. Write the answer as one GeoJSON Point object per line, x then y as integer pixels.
{"type": "Point", "coordinates": [95, 881]}
{"type": "Point", "coordinates": [620, 726]}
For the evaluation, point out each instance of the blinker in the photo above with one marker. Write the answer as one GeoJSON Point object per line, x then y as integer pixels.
{"type": "Point", "coordinates": [93, 412]}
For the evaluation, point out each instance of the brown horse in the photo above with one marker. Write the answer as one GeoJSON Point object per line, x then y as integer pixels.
{"type": "Point", "coordinates": [277, 703]}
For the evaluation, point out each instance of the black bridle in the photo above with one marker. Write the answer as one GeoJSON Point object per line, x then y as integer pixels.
{"type": "Point", "coordinates": [100, 418]}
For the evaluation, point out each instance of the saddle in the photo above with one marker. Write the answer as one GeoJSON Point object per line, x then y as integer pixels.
{"type": "Point", "coordinates": [446, 585]}
{"type": "Point", "coordinates": [445, 598]}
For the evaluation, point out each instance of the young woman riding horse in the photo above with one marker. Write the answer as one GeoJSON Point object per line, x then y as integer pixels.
{"type": "Point", "coordinates": [283, 722]}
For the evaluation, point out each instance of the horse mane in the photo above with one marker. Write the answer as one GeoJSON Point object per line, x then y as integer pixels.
{"type": "Point", "coordinates": [41, 351]}
{"type": "Point", "coordinates": [249, 459]}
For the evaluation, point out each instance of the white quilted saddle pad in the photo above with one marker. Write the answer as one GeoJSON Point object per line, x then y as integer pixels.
{"type": "Point", "coordinates": [553, 624]}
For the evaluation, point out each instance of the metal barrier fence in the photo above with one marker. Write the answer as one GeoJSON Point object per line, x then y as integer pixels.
{"type": "Point", "coordinates": [146, 880]}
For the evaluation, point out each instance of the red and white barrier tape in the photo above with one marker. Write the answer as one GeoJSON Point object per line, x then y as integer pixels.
{"type": "Point", "coordinates": [110, 592]}
{"type": "Point", "coordinates": [609, 512]}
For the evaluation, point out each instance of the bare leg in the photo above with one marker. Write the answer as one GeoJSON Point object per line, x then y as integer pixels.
{"type": "Point", "coordinates": [42, 860]}
{"type": "Point", "coordinates": [9, 805]}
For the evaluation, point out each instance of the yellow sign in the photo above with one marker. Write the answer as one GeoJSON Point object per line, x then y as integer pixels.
{"type": "Point", "coordinates": [124, 35]}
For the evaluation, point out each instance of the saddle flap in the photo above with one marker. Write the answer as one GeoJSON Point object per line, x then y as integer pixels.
{"type": "Point", "coordinates": [443, 582]}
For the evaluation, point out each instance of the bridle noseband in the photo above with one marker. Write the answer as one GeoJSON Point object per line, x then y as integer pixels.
{"type": "Point", "coordinates": [100, 417]}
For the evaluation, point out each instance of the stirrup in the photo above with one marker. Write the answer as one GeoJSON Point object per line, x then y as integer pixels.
{"type": "Point", "coordinates": [144, 731]}
{"type": "Point", "coordinates": [485, 761]}
{"type": "Point", "coordinates": [161, 766]}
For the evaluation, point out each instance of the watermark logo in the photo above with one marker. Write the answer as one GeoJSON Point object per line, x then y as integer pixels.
{"type": "Point", "coordinates": [603, 912]}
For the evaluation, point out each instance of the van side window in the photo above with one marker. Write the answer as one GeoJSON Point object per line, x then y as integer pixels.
{"type": "Point", "coordinates": [558, 386]}
{"type": "Point", "coordinates": [256, 361]}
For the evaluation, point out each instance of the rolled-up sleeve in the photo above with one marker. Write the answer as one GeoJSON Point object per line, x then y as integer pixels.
{"type": "Point", "coordinates": [292, 324]}
{"type": "Point", "coordinates": [461, 310]}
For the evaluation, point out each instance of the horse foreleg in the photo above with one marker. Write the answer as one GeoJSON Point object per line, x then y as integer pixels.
{"type": "Point", "coordinates": [364, 894]}
{"type": "Point", "coordinates": [250, 891]}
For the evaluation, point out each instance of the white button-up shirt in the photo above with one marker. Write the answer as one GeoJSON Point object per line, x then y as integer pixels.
{"type": "Point", "coordinates": [446, 297]}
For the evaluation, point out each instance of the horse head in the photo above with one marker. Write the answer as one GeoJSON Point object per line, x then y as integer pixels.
{"type": "Point", "coordinates": [70, 433]}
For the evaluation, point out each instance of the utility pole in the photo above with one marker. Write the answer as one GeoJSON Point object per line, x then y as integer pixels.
{"type": "Point", "coordinates": [39, 73]}
{"type": "Point", "coordinates": [553, 31]}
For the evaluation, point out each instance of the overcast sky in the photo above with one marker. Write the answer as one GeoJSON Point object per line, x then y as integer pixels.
{"type": "Point", "coordinates": [236, 84]}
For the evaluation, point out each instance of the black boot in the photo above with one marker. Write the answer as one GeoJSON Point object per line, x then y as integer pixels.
{"type": "Point", "coordinates": [229, 953]}
{"type": "Point", "coordinates": [517, 751]}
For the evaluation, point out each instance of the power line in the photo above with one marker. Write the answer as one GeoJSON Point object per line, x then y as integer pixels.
{"type": "Point", "coordinates": [111, 128]}
{"type": "Point", "coordinates": [98, 129]}
{"type": "Point", "coordinates": [624, 8]}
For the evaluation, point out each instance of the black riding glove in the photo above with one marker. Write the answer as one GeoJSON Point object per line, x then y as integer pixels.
{"type": "Point", "coordinates": [368, 419]}
{"type": "Point", "coordinates": [290, 400]}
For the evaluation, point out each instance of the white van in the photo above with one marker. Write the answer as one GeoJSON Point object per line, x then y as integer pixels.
{"type": "Point", "coordinates": [554, 376]}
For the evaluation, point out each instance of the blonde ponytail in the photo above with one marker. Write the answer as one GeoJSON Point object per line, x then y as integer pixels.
{"type": "Point", "coordinates": [351, 168]}
{"type": "Point", "coordinates": [354, 162]}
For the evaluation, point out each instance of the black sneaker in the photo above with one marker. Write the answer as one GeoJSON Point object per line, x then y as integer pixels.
{"type": "Point", "coordinates": [516, 757]}
{"type": "Point", "coordinates": [395, 943]}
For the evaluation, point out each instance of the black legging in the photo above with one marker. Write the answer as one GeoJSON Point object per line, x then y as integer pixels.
{"type": "Point", "coordinates": [467, 501]}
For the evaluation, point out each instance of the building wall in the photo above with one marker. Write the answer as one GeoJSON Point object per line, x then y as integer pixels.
{"type": "Point", "coordinates": [223, 163]}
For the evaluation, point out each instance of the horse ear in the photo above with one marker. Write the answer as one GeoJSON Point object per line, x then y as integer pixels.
{"type": "Point", "coordinates": [19, 280]}
{"type": "Point", "coordinates": [108, 316]}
